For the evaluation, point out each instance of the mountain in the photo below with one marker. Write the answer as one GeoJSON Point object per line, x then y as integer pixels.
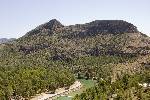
{"type": "Point", "coordinates": [52, 41]}
{"type": "Point", "coordinates": [105, 49]}
{"type": "Point", "coordinates": [5, 40]}
{"type": "Point", "coordinates": [105, 36]}
{"type": "Point", "coordinates": [65, 43]}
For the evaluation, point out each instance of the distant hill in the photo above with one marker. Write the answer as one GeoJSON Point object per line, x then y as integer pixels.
{"type": "Point", "coordinates": [5, 40]}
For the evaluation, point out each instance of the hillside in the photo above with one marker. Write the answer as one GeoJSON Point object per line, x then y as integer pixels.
{"type": "Point", "coordinates": [102, 48]}
{"type": "Point", "coordinates": [84, 39]}
{"type": "Point", "coordinates": [103, 35]}
{"type": "Point", "coordinates": [53, 41]}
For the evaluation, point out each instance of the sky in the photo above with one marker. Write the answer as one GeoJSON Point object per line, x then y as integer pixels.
{"type": "Point", "coordinates": [20, 16]}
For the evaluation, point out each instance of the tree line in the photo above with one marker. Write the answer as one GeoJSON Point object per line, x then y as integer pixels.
{"type": "Point", "coordinates": [25, 82]}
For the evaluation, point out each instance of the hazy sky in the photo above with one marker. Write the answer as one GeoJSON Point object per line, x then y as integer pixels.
{"type": "Point", "coordinates": [20, 16]}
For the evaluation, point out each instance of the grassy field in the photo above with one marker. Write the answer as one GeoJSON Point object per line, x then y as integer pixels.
{"type": "Point", "coordinates": [86, 84]}
{"type": "Point", "coordinates": [64, 98]}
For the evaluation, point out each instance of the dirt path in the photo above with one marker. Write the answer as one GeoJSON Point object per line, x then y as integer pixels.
{"type": "Point", "coordinates": [59, 92]}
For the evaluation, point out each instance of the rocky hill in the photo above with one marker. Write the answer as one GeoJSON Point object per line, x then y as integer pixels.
{"type": "Point", "coordinates": [94, 38]}
{"type": "Point", "coordinates": [88, 29]}
{"type": "Point", "coordinates": [100, 37]}
{"type": "Point", "coordinates": [53, 41]}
